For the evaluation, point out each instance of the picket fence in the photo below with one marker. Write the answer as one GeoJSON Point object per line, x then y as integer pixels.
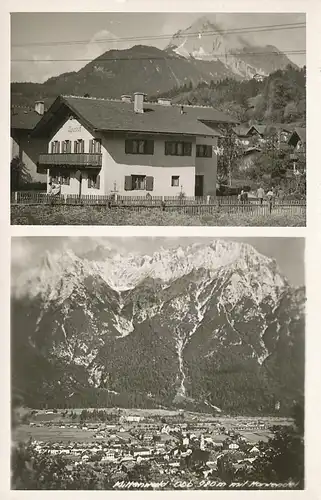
{"type": "Point", "coordinates": [187, 205]}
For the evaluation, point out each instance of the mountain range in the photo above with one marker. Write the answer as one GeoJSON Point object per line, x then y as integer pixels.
{"type": "Point", "coordinates": [203, 52]}
{"type": "Point", "coordinates": [207, 327]}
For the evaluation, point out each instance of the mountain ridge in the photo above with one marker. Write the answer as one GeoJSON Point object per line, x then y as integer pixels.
{"type": "Point", "coordinates": [218, 335]}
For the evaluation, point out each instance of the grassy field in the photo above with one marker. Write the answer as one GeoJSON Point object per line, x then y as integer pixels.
{"type": "Point", "coordinates": [73, 215]}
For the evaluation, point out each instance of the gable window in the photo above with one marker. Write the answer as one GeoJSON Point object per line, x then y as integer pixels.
{"type": "Point", "coordinates": [95, 146]}
{"type": "Point", "coordinates": [79, 146]}
{"type": "Point", "coordinates": [55, 147]}
{"type": "Point", "coordinates": [203, 151]}
{"type": "Point", "coordinates": [139, 147]}
{"type": "Point", "coordinates": [178, 148]}
{"type": "Point", "coordinates": [66, 146]}
{"type": "Point", "coordinates": [175, 180]}
{"type": "Point", "coordinates": [139, 183]}
{"type": "Point", "coordinates": [94, 181]}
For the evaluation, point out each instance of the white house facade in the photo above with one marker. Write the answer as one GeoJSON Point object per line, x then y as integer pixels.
{"type": "Point", "coordinates": [160, 150]}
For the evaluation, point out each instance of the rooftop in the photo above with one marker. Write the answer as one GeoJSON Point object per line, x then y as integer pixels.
{"type": "Point", "coordinates": [24, 118]}
{"type": "Point", "coordinates": [117, 115]}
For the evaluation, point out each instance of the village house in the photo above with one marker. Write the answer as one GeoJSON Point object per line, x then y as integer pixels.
{"type": "Point", "coordinates": [23, 146]}
{"type": "Point", "coordinates": [298, 139]}
{"type": "Point", "coordinates": [130, 147]}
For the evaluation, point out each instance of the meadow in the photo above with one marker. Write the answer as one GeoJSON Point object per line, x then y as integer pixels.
{"type": "Point", "coordinates": [90, 215]}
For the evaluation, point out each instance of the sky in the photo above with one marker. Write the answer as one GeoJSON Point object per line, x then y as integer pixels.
{"type": "Point", "coordinates": [288, 252]}
{"type": "Point", "coordinates": [31, 31]}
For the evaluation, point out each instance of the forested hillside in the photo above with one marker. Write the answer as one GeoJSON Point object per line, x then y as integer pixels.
{"type": "Point", "coordinates": [279, 98]}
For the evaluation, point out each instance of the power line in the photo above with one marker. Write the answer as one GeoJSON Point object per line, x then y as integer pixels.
{"type": "Point", "coordinates": [250, 29]}
{"type": "Point", "coordinates": [163, 58]}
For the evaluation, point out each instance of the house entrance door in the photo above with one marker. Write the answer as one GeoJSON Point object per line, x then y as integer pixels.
{"type": "Point", "coordinates": [199, 185]}
{"type": "Point", "coordinates": [79, 178]}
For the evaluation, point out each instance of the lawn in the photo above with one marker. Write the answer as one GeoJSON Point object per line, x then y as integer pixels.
{"type": "Point", "coordinates": [73, 215]}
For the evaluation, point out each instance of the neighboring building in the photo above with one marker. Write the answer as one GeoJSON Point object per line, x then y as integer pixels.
{"type": "Point", "coordinates": [100, 146]}
{"type": "Point", "coordinates": [27, 148]}
{"type": "Point", "coordinates": [298, 139]}
{"type": "Point", "coordinates": [258, 77]}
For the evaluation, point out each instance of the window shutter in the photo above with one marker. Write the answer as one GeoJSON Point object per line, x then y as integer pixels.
{"type": "Point", "coordinates": [89, 182]}
{"type": "Point", "coordinates": [187, 148]}
{"type": "Point", "coordinates": [75, 147]}
{"type": "Point", "coordinates": [98, 182]}
{"type": "Point", "coordinates": [166, 148]}
{"type": "Point", "coordinates": [82, 146]}
{"type": "Point", "coordinates": [149, 183]}
{"type": "Point", "coordinates": [90, 146]}
{"type": "Point", "coordinates": [128, 183]}
{"type": "Point", "coordinates": [128, 148]}
{"type": "Point", "coordinates": [149, 147]}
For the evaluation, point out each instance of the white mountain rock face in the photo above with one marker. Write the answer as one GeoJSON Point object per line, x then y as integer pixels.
{"type": "Point", "coordinates": [210, 41]}
{"type": "Point", "coordinates": [59, 273]}
{"type": "Point", "coordinates": [188, 311]}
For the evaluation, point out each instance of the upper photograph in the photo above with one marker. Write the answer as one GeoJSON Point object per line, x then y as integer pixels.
{"type": "Point", "coordinates": [158, 119]}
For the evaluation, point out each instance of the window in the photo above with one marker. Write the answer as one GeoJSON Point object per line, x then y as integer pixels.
{"type": "Point", "coordinates": [94, 181]}
{"type": "Point", "coordinates": [65, 178]}
{"type": "Point", "coordinates": [95, 146]}
{"type": "Point", "coordinates": [139, 183]}
{"type": "Point", "coordinates": [79, 146]}
{"type": "Point", "coordinates": [54, 176]}
{"type": "Point", "coordinates": [178, 148]}
{"type": "Point", "coordinates": [175, 180]}
{"type": "Point", "coordinates": [203, 151]}
{"type": "Point", "coordinates": [66, 146]}
{"type": "Point", "coordinates": [139, 147]}
{"type": "Point", "coordinates": [55, 147]}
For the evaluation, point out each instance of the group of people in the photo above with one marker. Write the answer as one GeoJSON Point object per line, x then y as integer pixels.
{"type": "Point", "coordinates": [270, 195]}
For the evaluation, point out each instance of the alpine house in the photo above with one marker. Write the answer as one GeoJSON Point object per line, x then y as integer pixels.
{"type": "Point", "coordinates": [130, 146]}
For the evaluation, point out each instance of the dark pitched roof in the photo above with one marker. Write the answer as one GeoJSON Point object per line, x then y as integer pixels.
{"type": "Point", "coordinates": [261, 129]}
{"type": "Point", "coordinates": [117, 115]}
{"type": "Point", "coordinates": [241, 130]}
{"type": "Point", "coordinates": [24, 118]}
{"type": "Point", "coordinates": [301, 133]}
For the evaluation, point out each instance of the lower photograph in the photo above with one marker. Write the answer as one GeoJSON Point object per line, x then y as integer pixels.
{"type": "Point", "coordinates": [157, 363]}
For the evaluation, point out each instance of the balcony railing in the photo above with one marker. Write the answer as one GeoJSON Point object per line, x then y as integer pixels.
{"type": "Point", "coordinates": [71, 159]}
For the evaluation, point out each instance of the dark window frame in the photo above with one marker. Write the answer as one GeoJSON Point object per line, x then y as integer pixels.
{"type": "Point", "coordinates": [139, 146]}
{"type": "Point", "coordinates": [204, 151]}
{"type": "Point", "coordinates": [178, 148]}
{"type": "Point", "coordinates": [79, 146]}
{"type": "Point", "coordinates": [95, 146]}
{"type": "Point", "coordinates": [175, 178]}
{"type": "Point", "coordinates": [93, 181]}
{"type": "Point", "coordinates": [136, 179]}
{"type": "Point", "coordinates": [66, 147]}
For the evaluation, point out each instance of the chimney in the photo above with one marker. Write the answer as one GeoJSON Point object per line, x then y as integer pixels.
{"type": "Point", "coordinates": [40, 107]}
{"type": "Point", "coordinates": [164, 102]}
{"type": "Point", "coordinates": [126, 98]}
{"type": "Point", "coordinates": [139, 102]}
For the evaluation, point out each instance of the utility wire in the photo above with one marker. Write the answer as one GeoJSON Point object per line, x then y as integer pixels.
{"type": "Point", "coordinates": [163, 58]}
{"type": "Point", "coordinates": [250, 29]}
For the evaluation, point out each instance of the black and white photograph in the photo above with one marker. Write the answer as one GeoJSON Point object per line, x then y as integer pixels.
{"type": "Point", "coordinates": [157, 363]}
{"type": "Point", "coordinates": [158, 119]}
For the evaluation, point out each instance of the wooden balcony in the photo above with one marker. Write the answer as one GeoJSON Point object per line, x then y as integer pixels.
{"type": "Point", "coordinates": [87, 160]}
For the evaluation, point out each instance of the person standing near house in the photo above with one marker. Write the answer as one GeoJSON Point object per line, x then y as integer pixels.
{"type": "Point", "coordinates": [270, 196]}
{"type": "Point", "coordinates": [260, 195]}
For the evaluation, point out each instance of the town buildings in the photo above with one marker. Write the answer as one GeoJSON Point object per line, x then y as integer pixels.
{"type": "Point", "coordinates": [130, 147]}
